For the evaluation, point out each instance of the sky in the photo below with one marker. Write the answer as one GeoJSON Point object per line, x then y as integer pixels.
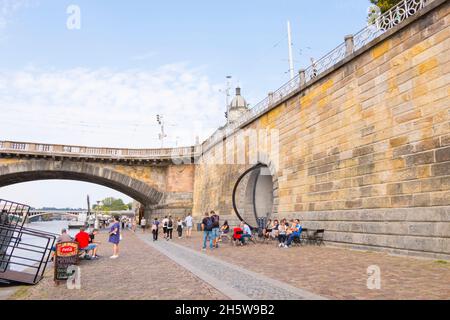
{"type": "Point", "coordinates": [103, 84]}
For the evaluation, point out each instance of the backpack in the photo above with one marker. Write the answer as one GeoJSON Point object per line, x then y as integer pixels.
{"type": "Point", "coordinates": [209, 224]}
{"type": "Point", "coordinates": [170, 223]}
{"type": "Point", "coordinates": [215, 221]}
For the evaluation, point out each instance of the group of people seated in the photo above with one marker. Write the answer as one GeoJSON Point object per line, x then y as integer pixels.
{"type": "Point", "coordinates": [286, 232]}
{"type": "Point", "coordinates": [240, 233]}
{"type": "Point", "coordinates": [86, 242]}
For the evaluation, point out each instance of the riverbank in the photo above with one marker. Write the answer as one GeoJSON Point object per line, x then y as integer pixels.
{"type": "Point", "coordinates": [179, 270]}
{"type": "Point", "coordinates": [140, 273]}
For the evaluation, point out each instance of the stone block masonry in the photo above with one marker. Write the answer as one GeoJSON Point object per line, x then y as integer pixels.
{"type": "Point", "coordinates": [364, 151]}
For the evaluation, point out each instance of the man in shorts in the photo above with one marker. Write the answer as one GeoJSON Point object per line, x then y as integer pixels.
{"type": "Point", "coordinates": [143, 224]}
{"type": "Point", "coordinates": [189, 223]}
{"type": "Point", "coordinates": [165, 223]}
{"type": "Point", "coordinates": [216, 228]}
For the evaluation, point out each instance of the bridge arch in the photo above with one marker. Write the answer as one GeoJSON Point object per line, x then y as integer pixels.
{"type": "Point", "coordinates": [35, 170]}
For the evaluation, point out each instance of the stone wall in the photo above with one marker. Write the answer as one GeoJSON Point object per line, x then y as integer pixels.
{"type": "Point", "coordinates": [177, 200]}
{"type": "Point", "coordinates": [364, 150]}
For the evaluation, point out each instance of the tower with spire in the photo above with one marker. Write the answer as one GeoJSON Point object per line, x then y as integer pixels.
{"type": "Point", "coordinates": [237, 107]}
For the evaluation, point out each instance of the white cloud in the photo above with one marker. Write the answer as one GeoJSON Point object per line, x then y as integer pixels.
{"type": "Point", "coordinates": [9, 7]}
{"type": "Point", "coordinates": [108, 107]}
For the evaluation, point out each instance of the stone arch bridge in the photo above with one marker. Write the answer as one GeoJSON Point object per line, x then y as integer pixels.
{"type": "Point", "coordinates": [160, 179]}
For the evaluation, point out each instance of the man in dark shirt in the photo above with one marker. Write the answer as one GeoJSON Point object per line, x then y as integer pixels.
{"type": "Point", "coordinates": [92, 236]}
{"type": "Point", "coordinates": [207, 226]}
{"type": "Point", "coordinates": [216, 229]}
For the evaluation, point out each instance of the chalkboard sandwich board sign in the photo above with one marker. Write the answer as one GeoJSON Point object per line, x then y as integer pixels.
{"type": "Point", "coordinates": [66, 255]}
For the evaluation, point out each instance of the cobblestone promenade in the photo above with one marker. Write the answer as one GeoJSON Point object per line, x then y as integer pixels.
{"type": "Point", "coordinates": [338, 273]}
{"type": "Point", "coordinates": [180, 270]}
{"type": "Point", "coordinates": [139, 273]}
{"type": "Point", "coordinates": [236, 282]}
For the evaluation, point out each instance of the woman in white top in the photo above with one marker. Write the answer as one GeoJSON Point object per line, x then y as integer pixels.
{"type": "Point", "coordinates": [189, 223]}
{"type": "Point", "coordinates": [282, 230]}
{"type": "Point", "coordinates": [143, 224]}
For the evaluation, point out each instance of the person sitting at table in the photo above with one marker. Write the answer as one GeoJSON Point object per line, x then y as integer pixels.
{"type": "Point", "coordinates": [275, 226]}
{"type": "Point", "coordinates": [224, 231]}
{"type": "Point", "coordinates": [296, 230]}
{"type": "Point", "coordinates": [64, 237]}
{"type": "Point", "coordinates": [268, 229]}
{"type": "Point", "coordinates": [92, 239]}
{"type": "Point", "coordinates": [83, 239]}
{"type": "Point", "coordinates": [225, 228]}
{"type": "Point", "coordinates": [247, 232]}
{"type": "Point", "coordinates": [237, 234]}
{"type": "Point", "coordinates": [282, 230]}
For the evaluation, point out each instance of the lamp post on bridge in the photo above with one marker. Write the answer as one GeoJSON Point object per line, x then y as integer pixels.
{"type": "Point", "coordinates": [162, 135]}
{"type": "Point", "coordinates": [96, 224]}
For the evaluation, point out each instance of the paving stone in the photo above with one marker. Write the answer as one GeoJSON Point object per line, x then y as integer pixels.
{"type": "Point", "coordinates": [239, 282]}
{"type": "Point", "coordinates": [140, 273]}
{"type": "Point", "coordinates": [338, 273]}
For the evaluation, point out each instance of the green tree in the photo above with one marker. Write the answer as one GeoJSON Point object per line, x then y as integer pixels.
{"type": "Point", "coordinates": [111, 204]}
{"type": "Point", "coordinates": [385, 5]}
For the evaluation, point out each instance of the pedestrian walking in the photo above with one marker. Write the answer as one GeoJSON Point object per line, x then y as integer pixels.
{"type": "Point", "coordinates": [165, 221]}
{"type": "Point", "coordinates": [180, 228]}
{"type": "Point", "coordinates": [207, 226]}
{"type": "Point", "coordinates": [215, 229]}
{"type": "Point", "coordinates": [114, 237]}
{"type": "Point", "coordinates": [189, 223]}
{"type": "Point", "coordinates": [155, 229]}
{"type": "Point", "coordinates": [143, 224]}
{"type": "Point", "coordinates": [169, 228]}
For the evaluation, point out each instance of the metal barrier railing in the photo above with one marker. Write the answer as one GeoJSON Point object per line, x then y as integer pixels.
{"type": "Point", "coordinates": [27, 252]}
{"type": "Point", "coordinates": [24, 252]}
{"type": "Point", "coordinates": [13, 213]}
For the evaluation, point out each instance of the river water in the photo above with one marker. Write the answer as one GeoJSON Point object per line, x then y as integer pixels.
{"type": "Point", "coordinates": [52, 226]}
{"type": "Point", "coordinates": [47, 226]}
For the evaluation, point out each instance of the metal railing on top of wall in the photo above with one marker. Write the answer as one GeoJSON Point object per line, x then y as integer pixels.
{"type": "Point", "coordinates": [379, 25]}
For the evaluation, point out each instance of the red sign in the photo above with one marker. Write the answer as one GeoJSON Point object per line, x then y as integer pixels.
{"type": "Point", "coordinates": [66, 255]}
{"type": "Point", "coordinates": [66, 249]}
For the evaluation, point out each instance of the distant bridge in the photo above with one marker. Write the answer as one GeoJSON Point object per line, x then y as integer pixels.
{"type": "Point", "coordinates": [75, 213]}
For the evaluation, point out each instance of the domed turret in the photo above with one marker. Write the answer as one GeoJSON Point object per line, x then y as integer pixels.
{"type": "Point", "coordinates": [237, 107]}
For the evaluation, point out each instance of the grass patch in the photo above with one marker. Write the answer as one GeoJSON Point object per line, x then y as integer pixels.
{"type": "Point", "coordinates": [441, 262]}
{"type": "Point", "coordinates": [20, 294]}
